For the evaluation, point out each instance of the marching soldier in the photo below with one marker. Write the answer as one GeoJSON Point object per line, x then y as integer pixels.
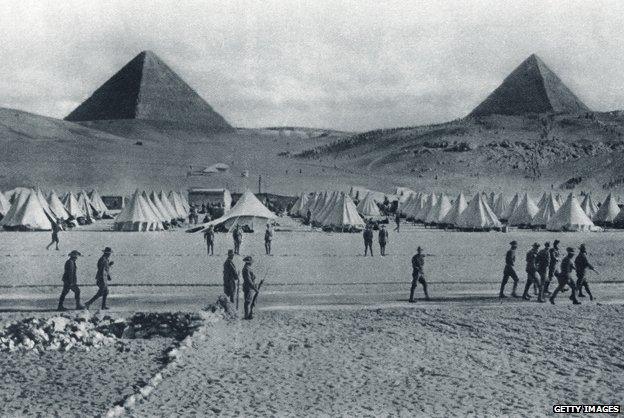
{"type": "Point", "coordinates": [418, 274]}
{"type": "Point", "coordinates": [581, 265]}
{"type": "Point", "coordinates": [237, 235]}
{"type": "Point", "coordinates": [368, 240]}
{"type": "Point", "coordinates": [543, 263]}
{"type": "Point", "coordinates": [268, 238]}
{"type": "Point", "coordinates": [531, 270]}
{"type": "Point", "coordinates": [209, 237]}
{"type": "Point", "coordinates": [555, 256]}
{"type": "Point", "coordinates": [397, 220]}
{"type": "Point", "coordinates": [565, 277]}
{"type": "Point", "coordinates": [509, 271]}
{"type": "Point", "coordinates": [383, 239]}
{"type": "Point", "coordinates": [102, 277]}
{"type": "Point", "coordinates": [56, 228]}
{"type": "Point", "coordinates": [70, 281]}
{"type": "Point", "coordinates": [230, 277]}
{"type": "Point", "coordinates": [249, 286]}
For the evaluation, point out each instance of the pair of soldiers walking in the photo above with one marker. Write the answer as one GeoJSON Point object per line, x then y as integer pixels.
{"type": "Point", "coordinates": [231, 283]}
{"type": "Point", "coordinates": [70, 280]}
{"type": "Point", "coordinates": [368, 240]}
{"type": "Point", "coordinates": [541, 267]}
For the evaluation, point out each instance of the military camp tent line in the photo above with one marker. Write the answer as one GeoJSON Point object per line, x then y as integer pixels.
{"type": "Point", "coordinates": [24, 209]}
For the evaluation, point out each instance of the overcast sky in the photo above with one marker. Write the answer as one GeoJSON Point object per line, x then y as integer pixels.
{"type": "Point", "coordinates": [345, 65]}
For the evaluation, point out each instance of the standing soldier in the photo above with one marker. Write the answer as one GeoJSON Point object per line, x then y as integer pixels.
{"type": "Point", "coordinates": [209, 237]}
{"type": "Point", "coordinates": [56, 228]}
{"type": "Point", "coordinates": [581, 265]}
{"type": "Point", "coordinates": [70, 281]}
{"type": "Point", "coordinates": [509, 271]}
{"type": "Point", "coordinates": [565, 277]}
{"type": "Point", "coordinates": [543, 263]}
{"type": "Point", "coordinates": [418, 274]}
{"type": "Point", "coordinates": [531, 270]}
{"type": "Point", "coordinates": [368, 240]}
{"type": "Point", "coordinates": [237, 235]}
{"type": "Point", "coordinates": [102, 277]}
{"type": "Point", "coordinates": [268, 237]}
{"type": "Point", "coordinates": [230, 277]}
{"type": "Point", "coordinates": [383, 239]}
{"type": "Point", "coordinates": [397, 220]}
{"type": "Point", "coordinates": [249, 286]}
{"type": "Point", "coordinates": [555, 256]}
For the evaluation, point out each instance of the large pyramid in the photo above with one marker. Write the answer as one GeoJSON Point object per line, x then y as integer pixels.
{"type": "Point", "coordinates": [531, 88]}
{"type": "Point", "coordinates": [146, 88]}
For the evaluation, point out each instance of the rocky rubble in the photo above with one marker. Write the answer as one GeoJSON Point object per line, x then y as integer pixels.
{"type": "Point", "coordinates": [222, 309]}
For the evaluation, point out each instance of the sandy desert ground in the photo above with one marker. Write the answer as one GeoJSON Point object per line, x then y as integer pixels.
{"type": "Point", "coordinates": [333, 335]}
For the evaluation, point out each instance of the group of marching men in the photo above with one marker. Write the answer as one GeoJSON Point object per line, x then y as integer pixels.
{"type": "Point", "coordinates": [544, 265]}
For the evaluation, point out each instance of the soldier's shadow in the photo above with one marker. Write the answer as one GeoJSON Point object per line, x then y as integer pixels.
{"type": "Point", "coordinates": [475, 298]}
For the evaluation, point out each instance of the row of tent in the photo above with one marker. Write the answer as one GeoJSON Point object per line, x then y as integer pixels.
{"type": "Point", "coordinates": [492, 211]}
{"type": "Point", "coordinates": [153, 212]}
{"type": "Point", "coordinates": [332, 210]}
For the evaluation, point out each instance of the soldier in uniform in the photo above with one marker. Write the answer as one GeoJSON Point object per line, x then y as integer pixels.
{"type": "Point", "coordinates": [543, 263]}
{"type": "Point", "coordinates": [268, 238]}
{"type": "Point", "coordinates": [368, 240]}
{"type": "Point", "coordinates": [237, 235]}
{"type": "Point", "coordinates": [70, 281]}
{"type": "Point", "coordinates": [581, 265]}
{"type": "Point", "coordinates": [102, 277]}
{"type": "Point", "coordinates": [209, 237]}
{"type": "Point", "coordinates": [418, 274]}
{"type": "Point", "coordinates": [509, 271]}
{"type": "Point", "coordinates": [230, 276]}
{"type": "Point", "coordinates": [565, 277]}
{"type": "Point", "coordinates": [397, 220]}
{"type": "Point", "coordinates": [249, 286]}
{"type": "Point", "coordinates": [555, 256]}
{"type": "Point", "coordinates": [531, 270]}
{"type": "Point", "coordinates": [383, 239]}
{"type": "Point", "coordinates": [56, 228]}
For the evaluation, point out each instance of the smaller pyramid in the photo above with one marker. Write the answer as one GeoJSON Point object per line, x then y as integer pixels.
{"type": "Point", "coordinates": [531, 88]}
{"type": "Point", "coordinates": [146, 88]}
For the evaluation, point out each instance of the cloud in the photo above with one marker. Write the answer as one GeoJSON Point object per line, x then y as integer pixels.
{"type": "Point", "coordinates": [346, 65]}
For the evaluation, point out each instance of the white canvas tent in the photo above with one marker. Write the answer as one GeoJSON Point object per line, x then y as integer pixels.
{"type": "Point", "coordinates": [178, 205]}
{"type": "Point", "coordinates": [501, 205]}
{"type": "Point", "coordinates": [26, 214]}
{"type": "Point", "coordinates": [547, 211]}
{"type": "Point", "coordinates": [524, 213]}
{"type": "Point", "coordinates": [459, 205]}
{"type": "Point", "coordinates": [72, 206]}
{"type": "Point", "coordinates": [511, 208]}
{"type": "Point", "coordinates": [589, 206]}
{"type": "Point", "coordinates": [137, 215]}
{"type": "Point", "coordinates": [297, 208]}
{"type": "Point", "coordinates": [248, 212]}
{"type": "Point", "coordinates": [368, 207]}
{"type": "Point", "coordinates": [4, 205]}
{"type": "Point", "coordinates": [97, 203]}
{"type": "Point", "coordinates": [570, 217]}
{"type": "Point", "coordinates": [438, 212]}
{"type": "Point", "coordinates": [342, 215]}
{"type": "Point", "coordinates": [85, 204]}
{"type": "Point", "coordinates": [56, 207]}
{"type": "Point", "coordinates": [428, 206]}
{"type": "Point", "coordinates": [168, 205]}
{"type": "Point", "coordinates": [607, 212]}
{"type": "Point", "coordinates": [168, 215]}
{"type": "Point", "coordinates": [478, 216]}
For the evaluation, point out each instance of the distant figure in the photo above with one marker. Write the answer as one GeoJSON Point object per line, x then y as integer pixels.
{"type": "Point", "coordinates": [418, 274]}
{"type": "Point", "coordinates": [56, 228]}
{"type": "Point", "coordinates": [383, 239]}
{"type": "Point", "coordinates": [553, 265]}
{"type": "Point", "coordinates": [308, 216]}
{"type": "Point", "coordinates": [581, 264]}
{"type": "Point", "coordinates": [531, 270]}
{"type": "Point", "coordinates": [70, 281]}
{"type": "Point", "coordinates": [509, 271]}
{"type": "Point", "coordinates": [565, 277]}
{"type": "Point", "coordinates": [368, 240]}
{"type": "Point", "coordinates": [249, 286]}
{"type": "Point", "coordinates": [237, 235]}
{"type": "Point", "coordinates": [231, 279]}
{"type": "Point", "coordinates": [543, 263]}
{"type": "Point", "coordinates": [397, 220]}
{"type": "Point", "coordinates": [268, 238]}
{"type": "Point", "coordinates": [206, 218]}
{"type": "Point", "coordinates": [102, 277]}
{"type": "Point", "coordinates": [193, 215]}
{"type": "Point", "coordinates": [209, 237]}
{"type": "Point", "coordinates": [203, 208]}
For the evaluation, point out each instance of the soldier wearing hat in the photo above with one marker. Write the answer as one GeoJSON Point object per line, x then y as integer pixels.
{"type": "Point", "coordinates": [553, 264]}
{"type": "Point", "coordinates": [249, 286]}
{"type": "Point", "coordinates": [565, 277]}
{"type": "Point", "coordinates": [368, 239]}
{"type": "Point", "coordinates": [543, 262]}
{"type": "Point", "coordinates": [230, 276]}
{"type": "Point", "coordinates": [237, 235]}
{"type": "Point", "coordinates": [268, 239]}
{"type": "Point", "coordinates": [102, 277]}
{"type": "Point", "coordinates": [509, 271]}
{"type": "Point", "coordinates": [209, 238]}
{"type": "Point", "coordinates": [383, 240]}
{"type": "Point", "coordinates": [70, 281]}
{"type": "Point", "coordinates": [581, 265]}
{"type": "Point", "coordinates": [531, 270]}
{"type": "Point", "coordinates": [418, 274]}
